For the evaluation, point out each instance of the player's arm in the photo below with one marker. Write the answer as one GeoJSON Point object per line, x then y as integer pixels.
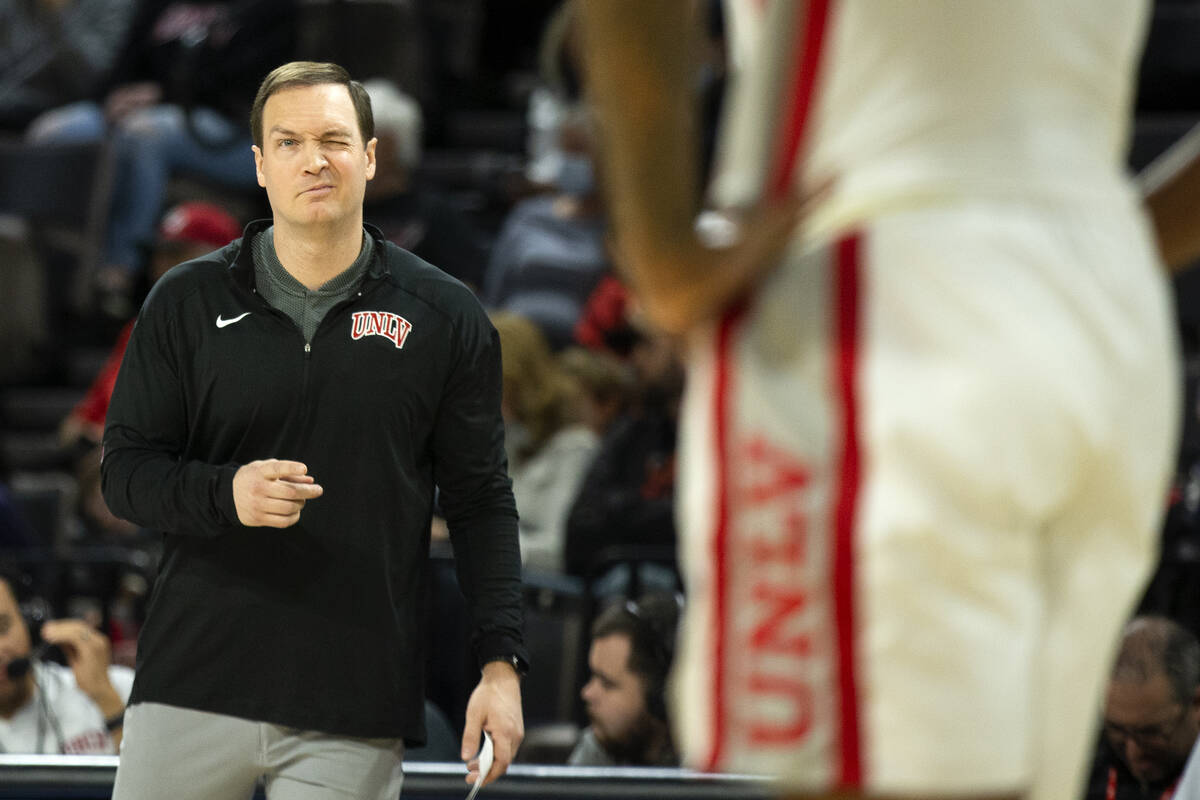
{"type": "Point", "coordinates": [1172, 191]}
{"type": "Point", "coordinates": [637, 66]}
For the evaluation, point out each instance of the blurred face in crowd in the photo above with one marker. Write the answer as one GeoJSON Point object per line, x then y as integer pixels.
{"type": "Point", "coordinates": [313, 162]}
{"type": "Point", "coordinates": [1149, 728]}
{"type": "Point", "coordinates": [14, 644]}
{"type": "Point", "coordinates": [168, 254]}
{"type": "Point", "coordinates": [615, 696]}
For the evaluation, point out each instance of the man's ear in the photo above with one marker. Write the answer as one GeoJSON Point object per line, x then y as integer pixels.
{"type": "Point", "coordinates": [258, 159]}
{"type": "Point", "coordinates": [370, 150]}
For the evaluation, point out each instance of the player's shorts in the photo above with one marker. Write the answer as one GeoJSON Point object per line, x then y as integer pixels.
{"type": "Point", "coordinates": [924, 471]}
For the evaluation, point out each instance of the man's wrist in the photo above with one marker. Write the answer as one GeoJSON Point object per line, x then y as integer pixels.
{"type": "Point", "coordinates": [514, 661]}
{"type": "Point", "coordinates": [109, 702]}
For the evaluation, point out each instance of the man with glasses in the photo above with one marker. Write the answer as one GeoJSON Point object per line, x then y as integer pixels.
{"type": "Point", "coordinates": [1151, 713]}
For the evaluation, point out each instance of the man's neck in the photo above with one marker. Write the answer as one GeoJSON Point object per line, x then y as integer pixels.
{"type": "Point", "coordinates": [649, 744]}
{"type": "Point", "coordinates": [314, 255]}
{"type": "Point", "coordinates": [11, 704]}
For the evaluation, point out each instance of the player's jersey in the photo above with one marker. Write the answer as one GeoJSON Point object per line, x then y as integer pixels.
{"type": "Point", "coordinates": [922, 465]}
{"type": "Point", "coordinates": [918, 101]}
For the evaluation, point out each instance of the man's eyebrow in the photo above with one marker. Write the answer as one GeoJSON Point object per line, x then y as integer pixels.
{"type": "Point", "coordinates": [343, 133]}
{"type": "Point", "coordinates": [604, 676]}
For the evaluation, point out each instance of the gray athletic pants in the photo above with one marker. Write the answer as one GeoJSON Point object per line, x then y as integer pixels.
{"type": "Point", "coordinates": [194, 755]}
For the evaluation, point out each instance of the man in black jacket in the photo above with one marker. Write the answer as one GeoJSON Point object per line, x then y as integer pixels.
{"type": "Point", "coordinates": [286, 407]}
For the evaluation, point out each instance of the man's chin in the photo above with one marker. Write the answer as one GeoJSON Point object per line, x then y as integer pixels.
{"type": "Point", "coordinates": [1149, 773]}
{"type": "Point", "coordinates": [13, 693]}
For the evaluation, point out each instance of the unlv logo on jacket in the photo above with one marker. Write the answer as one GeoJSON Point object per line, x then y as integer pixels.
{"type": "Point", "coordinates": [380, 323]}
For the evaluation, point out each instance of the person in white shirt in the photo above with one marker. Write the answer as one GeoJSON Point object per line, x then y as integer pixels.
{"type": "Point", "coordinates": [50, 708]}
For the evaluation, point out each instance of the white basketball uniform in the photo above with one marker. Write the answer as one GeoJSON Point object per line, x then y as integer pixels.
{"type": "Point", "coordinates": [924, 464]}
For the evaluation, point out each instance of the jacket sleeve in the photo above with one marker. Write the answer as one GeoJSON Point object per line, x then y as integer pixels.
{"type": "Point", "coordinates": [143, 475]}
{"type": "Point", "coordinates": [471, 471]}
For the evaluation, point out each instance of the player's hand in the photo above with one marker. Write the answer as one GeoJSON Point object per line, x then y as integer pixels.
{"type": "Point", "coordinates": [89, 654]}
{"type": "Point", "coordinates": [495, 706]}
{"type": "Point", "coordinates": [272, 493]}
{"type": "Point", "coordinates": [691, 278]}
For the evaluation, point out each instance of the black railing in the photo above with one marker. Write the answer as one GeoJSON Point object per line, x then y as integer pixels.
{"type": "Point", "coordinates": [91, 777]}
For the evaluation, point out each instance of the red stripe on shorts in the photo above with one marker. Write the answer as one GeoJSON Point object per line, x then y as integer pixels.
{"type": "Point", "coordinates": [809, 38]}
{"type": "Point", "coordinates": [722, 391]}
{"type": "Point", "coordinates": [809, 34]}
{"type": "Point", "coordinates": [846, 367]}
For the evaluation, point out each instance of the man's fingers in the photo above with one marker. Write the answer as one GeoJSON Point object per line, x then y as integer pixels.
{"type": "Point", "coordinates": [282, 508]}
{"type": "Point", "coordinates": [274, 468]}
{"type": "Point", "coordinates": [472, 736]}
{"type": "Point", "coordinates": [502, 758]}
{"type": "Point", "coordinates": [286, 490]}
{"type": "Point", "coordinates": [297, 478]}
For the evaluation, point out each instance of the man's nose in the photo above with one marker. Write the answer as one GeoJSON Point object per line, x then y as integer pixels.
{"type": "Point", "coordinates": [314, 158]}
{"type": "Point", "coordinates": [1133, 752]}
{"type": "Point", "coordinates": [587, 690]}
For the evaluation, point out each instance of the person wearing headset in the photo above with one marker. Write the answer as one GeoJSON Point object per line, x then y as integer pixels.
{"type": "Point", "coordinates": [49, 708]}
{"type": "Point", "coordinates": [630, 657]}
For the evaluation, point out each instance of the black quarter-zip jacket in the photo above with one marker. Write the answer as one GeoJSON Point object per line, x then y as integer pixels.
{"type": "Point", "coordinates": [316, 626]}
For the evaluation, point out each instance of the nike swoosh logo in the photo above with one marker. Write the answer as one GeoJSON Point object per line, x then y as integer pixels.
{"type": "Point", "coordinates": [221, 323]}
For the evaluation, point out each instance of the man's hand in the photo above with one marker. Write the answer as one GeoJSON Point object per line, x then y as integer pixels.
{"type": "Point", "coordinates": [272, 493]}
{"type": "Point", "coordinates": [495, 706]}
{"type": "Point", "coordinates": [124, 100]}
{"type": "Point", "coordinates": [89, 655]}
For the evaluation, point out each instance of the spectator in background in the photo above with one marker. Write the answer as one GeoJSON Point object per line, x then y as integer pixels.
{"type": "Point", "coordinates": [49, 708]}
{"type": "Point", "coordinates": [54, 52]}
{"type": "Point", "coordinates": [551, 250]}
{"type": "Point", "coordinates": [187, 231]}
{"type": "Point", "coordinates": [175, 105]}
{"type": "Point", "coordinates": [549, 449]}
{"type": "Point", "coordinates": [630, 657]}
{"type": "Point", "coordinates": [412, 216]}
{"type": "Point", "coordinates": [627, 496]}
{"type": "Point", "coordinates": [1151, 713]}
{"type": "Point", "coordinates": [605, 385]}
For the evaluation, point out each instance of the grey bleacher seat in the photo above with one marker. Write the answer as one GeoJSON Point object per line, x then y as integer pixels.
{"type": "Point", "coordinates": [31, 451]}
{"type": "Point", "coordinates": [487, 129]}
{"type": "Point", "coordinates": [556, 618]}
{"type": "Point", "coordinates": [63, 191]}
{"type": "Point", "coordinates": [1169, 79]}
{"type": "Point", "coordinates": [47, 501]}
{"type": "Point", "coordinates": [37, 408]}
{"type": "Point", "coordinates": [82, 363]}
{"type": "Point", "coordinates": [441, 740]}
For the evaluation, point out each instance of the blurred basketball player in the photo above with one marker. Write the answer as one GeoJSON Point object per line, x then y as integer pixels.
{"type": "Point", "coordinates": [928, 432]}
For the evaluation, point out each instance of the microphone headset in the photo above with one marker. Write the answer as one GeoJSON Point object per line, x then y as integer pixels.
{"type": "Point", "coordinates": [656, 618]}
{"type": "Point", "coordinates": [35, 611]}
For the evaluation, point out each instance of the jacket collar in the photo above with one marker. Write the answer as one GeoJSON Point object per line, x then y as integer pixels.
{"type": "Point", "coordinates": [242, 265]}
